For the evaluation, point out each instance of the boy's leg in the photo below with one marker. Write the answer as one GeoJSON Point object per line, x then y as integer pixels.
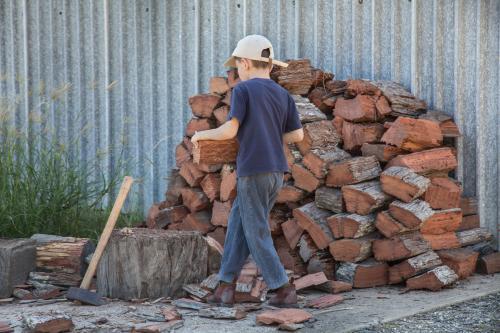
{"type": "Point", "coordinates": [235, 246]}
{"type": "Point", "coordinates": [257, 195]}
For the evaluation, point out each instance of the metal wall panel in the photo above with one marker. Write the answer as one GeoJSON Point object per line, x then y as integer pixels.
{"type": "Point", "coordinates": [120, 72]}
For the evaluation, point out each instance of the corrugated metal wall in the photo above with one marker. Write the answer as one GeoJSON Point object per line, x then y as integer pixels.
{"type": "Point", "coordinates": [132, 64]}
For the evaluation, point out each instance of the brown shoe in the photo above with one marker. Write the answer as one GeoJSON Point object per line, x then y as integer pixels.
{"type": "Point", "coordinates": [285, 297]}
{"type": "Point", "coordinates": [223, 295]}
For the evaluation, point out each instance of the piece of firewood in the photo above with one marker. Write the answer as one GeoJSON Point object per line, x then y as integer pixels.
{"type": "Point", "coordinates": [190, 172]}
{"type": "Point", "coordinates": [442, 221]}
{"type": "Point", "coordinates": [321, 77]}
{"type": "Point", "coordinates": [355, 135]}
{"type": "Point", "coordinates": [194, 199]}
{"type": "Point", "coordinates": [337, 123]}
{"type": "Point", "coordinates": [335, 287]}
{"type": "Point", "coordinates": [215, 252]}
{"type": "Point", "coordinates": [318, 160]}
{"type": "Point", "coordinates": [317, 95]}
{"type": "Point", "coordinates": [304, 179]}
{"type": "Point", "coordinates": [361, 87]}
{"type": "Point", "coordinates": [443, 193]}
{"type": "Point", "coordinates": [220, 114]}
{"type": "Point", "coordinates": [297, 78]}
{"type": "Point", "coordinates": [473, 236]}
{"type": "Point", "coordinates": [277, 217]}
{"type": "Point", "coordinates": [389, 226]}
{"type": "Point", "coordinates": [313, 219]}
{"type": "Point", "coordinates": [427, 161]}
{"type": "Point", "coordinates": [403, 103]}
{"type": "Point", "coordinates": [220, 213]}
{"type": "Point", "coordinates": [210, 184]}
{"type": "Point", "coordinates": [308, 112]}
{"type": "Point", "coordinates": [48, 323]}
{"type": "Point", "coordinates": [358, 109]}
{"type": "Point", "coordinates": [306, 247]}
{"type": "Point", "coordinates": [399, 247]}
{"type": "Point", "coordinates": [352, 250]}
{"type": "Point", "coordinates": [337, 87]}
{"type": "Point", "coordinates": [413, 134]}
{"type": "Point", "coordinates": [310, 280]}
{"type": "Point", "coordinates": [434, 280]}
{"type": "Point", "coordinates": [199, 221]}
{"type": "Point", "coordinates": [461, 261]}
{"type": "Point", "coordinates": [324, 301]}
{"type": "Point", "coordinates": [351, 225]}
{"type": "Point", "coordinates": [181, 155]}
{"type": "Point", "coordinates": [469, 222]}
{"type": "Point", "coordinates": [352, 171]}
{"type": "Point", "coordinates": [223, 313]}
{"type": "Point", "coordinates": [218, 234]}
{"type": "Point", "coordinates": [211, 282]}
{"type": "Point", "coordinates": [215, 151]}
{"type": "Point", "coordinates": [382, 152]}
{"type": "Point", "coordinates": [318, 135]}
{"type": "Point", "coordinates": [366, 274]}
{"type": "Point", "coordinates": [403, 183]}
{"type": "Point", "coordinates": [218, 85]}
{"type": "Point", "coordinates": [382, 106]}
{"type": "Point", "coordinates": [411, 214]}
{"type": "Point", "coordinates": [228, 183]}
{"type": "Point", "coordinates": [290, 258]}
{"type": "Point", "coordinates": [283, 316]}
{"type": "Point", "coordinates": [489, 264]}
{"type": "Point", "coordinates": [469, 206]}
{"type": "Point", "coordinates": [198, 124]}
{"type": "Point", "coordinates": [292, 232]}
{"type": "Point", "coordinates": [413, 266]}
{"type": "Point", "coordinates": [443, 241]}
{"type": "Point", "coordinates": [195, 290]}
{"type": "Point", "coordinates": [166, 216]}
{"type": "Point", "coordinates": [289, 193]}
{"type": "Point", "coordinates": [175, 184]}
{"type": "Point", "coordinates": [329, 198]}
{"type": "Point", "coordinates": [322, 261]}
{"type": "Point", "coordinates": [203, 105]}
{"type": "Point", "coordinates": [364, 198]}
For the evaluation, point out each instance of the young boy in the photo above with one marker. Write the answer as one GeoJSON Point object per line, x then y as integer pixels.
{"type": "Point", "coordinates": [262, 116]}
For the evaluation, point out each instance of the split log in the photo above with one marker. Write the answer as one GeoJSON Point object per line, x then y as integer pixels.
{"type": "Point", "coordinates": [290, 193]}
{"type": "Point", "coordinates": [50, 323]}
{"type": "Point", "coordinates": [355, 135]}
{"type": "Point", "coordinates": [304, 179]}
{"type": "Point", "coordinates": [210, 184]}
{"type": "Point", "coordinates": [199, 221]}
{"type": "Point", "coordinates": [220, 213]}
{"type": "Point", "coordinates": [183, 256]}
{"type": "Point", "coordinates": [307, 248]}
{"type": "Point", "coordinates": [215, 151]}
{"type": "Point", "coordinates": [321, 77]}
{"type": "Point", "coordinates": [218, 85]}
{"type": "Point", "coordinates": [413, 266]}
{"type": "Point", "coordinates": [181, 155]}
{"type": "Point", "coordinates": [400, 247]}
{"type": "Point", "coordinates": [194, 199]}
{"type": "Point", "coordinates": [337, 87]}
{"type": "Point", "coordinates": [322, 261]}
{"type": "Point", "coordinates": [190, 172]}
{"type": "Point", "coordinates": [473, 236]}
{"type": "Point", "coordinates": [317, 96]}
{"type": "Point", "coordinates": [335, 287]}
{"type": "Point", "coordinates": [411, 214]}
{"type": "Point", "coordinates": [433, 280]}
{"type": "Point", "coordinates": [163, 217]}
{"type": "Point", "coordinates": [17, 259]}
{"type": "Point", "coordinates": [389, 227]}
{"type": "Point", "coordinates": [469, 206]}
{"type": "Point", "coordinates": [196, 291]}
{"type": "Point", "coordinates": [220, 114]}
{"type": "Point", "coordinates": [338, 123]}
{"type": "Point", "coordinates": [313, 219]}
{"type": "Point", "coordinates": [351, 225]}
{"type": "Point", "coordinates": [223, 313]}
{"type": "Point", "coordinates": [198, 124]}
{"type": "Point", "coordinates": [297, 78]}
{"type": "Point", "coordinates": [352, 171]}
{"type": "Point", "coordinates": [364, 198]}
{"type": "Point", "coordinates": [367, 274]}
{"type": "Point", "coordinates": [489, 264]}
{"type": "Point", "coordinates": [443, 193]}
{"type": "Point", "coordinates": [283, 316]}
{"type": "Point", "coordinates": [174, 188]}
{"type": "Point", "coordinates": [60, 279]}
{"type": "Point", "coordinates": [310, 280]}
{"type": "Point", "coordinates": [469, 222]}
{"type": "Point", "coordinates": [292, 232]}
{"type": "Point", "coordinates": [352, 250]}
{"type": "Point", "coordinates": [211, 282]}
{"type": "Point", "coordinates": [228, 183]}
{"type": "Point", "coordinates": [413, 134]}
{"type": "Point", "coordinates": [442, 221]}
{"type": "Point", "coordinates": [447, 240]}
{"type": "Point", "coordinates": [329, 198]}
{"type": "Point", "coordinates": [461, 261]}
{"type": "Point", "coordinates": [318, 160]}
{"type": "Point", "coordinates": [308, 112]}
{"type": "Point", "coordinates": [427, 161]}
{"type": "Point", "coordinates": [403, 183]}
{"type": "Point", "coordinates": [361, 87]}
{"type": "Point", "coordinates": [358, 109]}
{"type": "Point", "coordinates": [318, 135]}
{"type": "Point", "coordinates": [382, 152]}
{"type": "Point", "coordinates": [277, 216]}
{"type": "Point", "coordinates": [203, 105]}
{"type": "Point", "coordinates": [324, 301]}
{"type": "Point", "coordinates": [403, 103]}
{"type": "Point", "coordinates": [383, 108]}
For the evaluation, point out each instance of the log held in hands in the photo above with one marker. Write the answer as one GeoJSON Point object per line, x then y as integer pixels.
{"type": "Point", "coordinates": [215, 151]}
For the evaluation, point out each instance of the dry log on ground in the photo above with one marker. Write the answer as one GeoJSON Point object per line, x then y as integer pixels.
{"type": "Point", "coordinates": [297, 78]}
{"type": "Point", "coordinates": [304, 179]}
{"type": "Point", "coordinates": [191, 173]}
{"type": "Point", "coordinates": [292, 232]}
{"type": "Point", "coordinates": [403, 103]}
{"type": "Point", "coordinates": [194, 199]}
{"type": "Point", "coordinates": [358, 109]}
{"type": "Point", "coordinates": [489, 264]}
{"type": "Point", "coordinates": [308, 112]}
{"type": "Point", "coordinates": [228, 183]}
{"type": "Point", "coordinates": [220, 213]}
{"type": "Point", "coordinates": [442, 221]}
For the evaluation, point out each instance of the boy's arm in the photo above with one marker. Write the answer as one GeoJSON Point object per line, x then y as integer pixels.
{"type": "Point", "coordinates": [226, 131]}
{"type": "Point", "coordinates": [293, 136]}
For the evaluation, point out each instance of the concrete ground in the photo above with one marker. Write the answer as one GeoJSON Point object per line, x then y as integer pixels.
{"type": "Point", "coordinates": [362, 309]}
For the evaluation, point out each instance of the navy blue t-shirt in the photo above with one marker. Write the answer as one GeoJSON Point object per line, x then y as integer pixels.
{"type": "Point", "coordinates": [265, 111]}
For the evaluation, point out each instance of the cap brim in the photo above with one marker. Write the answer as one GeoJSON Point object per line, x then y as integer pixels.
{"type": "Point", "coordinates": [280, 63]}
{"type": "Point", "coordinates": [230, 62]}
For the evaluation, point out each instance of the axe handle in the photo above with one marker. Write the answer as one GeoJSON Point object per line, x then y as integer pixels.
{"type": "Point", "coordinates": [108, 228]}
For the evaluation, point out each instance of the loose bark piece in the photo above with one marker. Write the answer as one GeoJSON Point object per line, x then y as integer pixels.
{"type": "Point", "coordinates": [413, 266]}
{"type": "Point", "coordinates": [461, 261]}
{"type": "Point", "coordinates": [310, 280]}
{"type": "Point", "coordinates": [400, 247]}
{"type": "Point", "coordinates": [358, 109]}
{"type": "Point", "coordinates": [427, 161]}
{"type": "Point", "coordinates": [352, 250]}
{"type": "Point", "coordinates": [403, 183]}
{"type": "Point", "coordinates": [313, 219]}
{"type": "Point", "coordinates": [190, 172]}
{"type": "Point", "coordinates": [292, 232]}
{"type": "Point", "coordinates": [319, 135]}
{"type": "Point", "coordinates": [411, 214]}
{"type": "Point", "coordinates": [351, 225]}
{"type": "Point", "coordinates": [382, 152]}
{"type": "Point", "coordinates": [443, 193]}
{"type": "Point", "coordinates": [304, 179]}
{"type": "Point", "coordinates": [353, 171]}
{"type": "Point", "coordinates": [228, 183]}
{"type": "Point", "coordinates": [434, 279]}
{"type": "Point", "coordinates": [413, 134]}
{"type": "Point", "coordinates": [297, 78]}
{"type": "Point", "coordinates": [324, 301]}
{"type": "Point", "coordinates": [187, 303]}
{"type": "Point", "coordinates": [318, 160]}
{"type": "Point", "coordinates": [203, 105]}
{"type": "Point", "coordinates": [308, 112]}
{"type": "Point", "coordinates": [329, 198]}
{"type": "Point", "coordinates": [220, 213]}
{"type": "Point", "coordinates": [355, 135]}
{"type": "Point", "coordinates": [213, 152]}
{"type": "Point", "coordinates": [367, 274]}
{"type": "Point", "coordinates": [442, 221]}
{"type": "Point", "coordinates": [364, 198]}
{"type": "Point", "coordinates": [194, 199]}
{"type": "Point", "coordinates": [389, 227]}
{"type": "Point", "coordinates": [489, 264]}
{"type": "Point", "coordinates": [211, 186]}
{"type": "Point", "coordinates": [283, 316]}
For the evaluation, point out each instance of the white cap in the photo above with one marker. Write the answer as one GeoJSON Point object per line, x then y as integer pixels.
{"type": "Point", "coordinates": [251, 47]}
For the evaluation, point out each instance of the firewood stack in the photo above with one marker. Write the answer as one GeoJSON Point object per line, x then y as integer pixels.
{"type": "Point", "coordinates": [368, 201]}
